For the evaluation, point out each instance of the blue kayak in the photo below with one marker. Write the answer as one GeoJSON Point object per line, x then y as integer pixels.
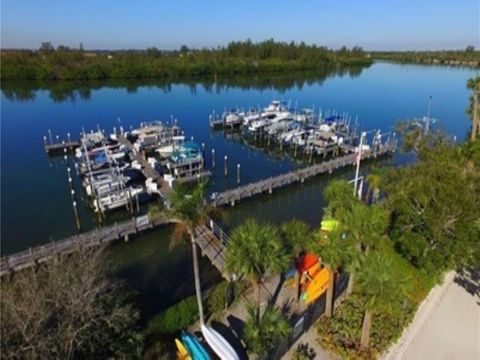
{"type": "Point", "coordinates": [195, 348]}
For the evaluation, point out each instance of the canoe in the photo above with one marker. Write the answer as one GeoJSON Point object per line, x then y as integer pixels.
{"type": "Point", "coordinates": [329, 225]}
{"type": "Point", "coordinates": [316, 287]}
{"type": "Point", "coordinates": [196, 350]}
{"type": "Point", "coordinates": [306, 262]}
{"type": "Point", "coordinates": [182, 353]}
{"type": "Point", "coordinates": [219, 345]}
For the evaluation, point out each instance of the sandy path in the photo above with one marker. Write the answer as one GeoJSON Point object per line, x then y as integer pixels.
{"type": "Point", "coordinates": [447, 326]}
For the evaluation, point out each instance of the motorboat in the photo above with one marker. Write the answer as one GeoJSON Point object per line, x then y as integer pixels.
{"type": "Point", "coordinates": [117, 199]}
{"type": "Point", "coordinates": [167, 150]}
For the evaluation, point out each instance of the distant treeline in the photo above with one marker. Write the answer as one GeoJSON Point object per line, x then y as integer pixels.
{"type": "Point", "coordinates": [467, 57]}
{"type": "Point", "coordinates": [63, 63]}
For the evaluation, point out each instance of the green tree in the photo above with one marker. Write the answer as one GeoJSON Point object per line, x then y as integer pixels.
{"type": "Point", "coordinates": [296, 236]}
{"type": "Point", "coordinates": [380, 287]}
{"type": "Point", "coordinates": [340, 198]}
{"type": "Point", "coordinates": [254, 250]}
{"type": "Point", "coordinates": [434, 204]}
{"type": "Point", "coordinates": [334, 251]}
{"type": "Point", "coordinates": [189, 211]}
{"type": "Point", "coordinates": [262, 331]}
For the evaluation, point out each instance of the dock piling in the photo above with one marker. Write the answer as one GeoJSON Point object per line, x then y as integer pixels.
{"type": "Point", "coordinates": [238, 173]}
{"type": "Point", "coordinates": [213, 158]}
{"type": "Point", "coordinates": [75, 212]}
{"type": "Point", "coordinates": [225, 170]}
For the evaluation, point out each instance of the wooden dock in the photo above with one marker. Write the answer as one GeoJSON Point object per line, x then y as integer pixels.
{"type": "Point", "coordinates": [268, 185]}
{"type": "Point", "coordinates": [211, 242]}
{"type": "Point", "coordinates": [96, 237]}
{"type": "Point", "coordinates": [147, 169]}
{"type": "Point", "coordinates": [60, 146]}
{"type": "Point", "coordinates": [211, 238]}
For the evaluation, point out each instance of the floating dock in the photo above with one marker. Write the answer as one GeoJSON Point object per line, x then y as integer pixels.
{"type": "Point", "coordinates": [61, 146]}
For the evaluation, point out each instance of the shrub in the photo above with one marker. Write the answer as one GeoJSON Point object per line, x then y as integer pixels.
{"type": "Point", "coordinates": [174, 319]}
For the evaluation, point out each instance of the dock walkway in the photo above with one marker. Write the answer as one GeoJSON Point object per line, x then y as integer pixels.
{"type": "Point", "coordinates": [96, 237]}
{"type": "Point", "coordinates": [211, 239]}
{"type": "Point", "coordinates": [147, 168]}
{"type": "Point", "coordinates": [211, 243]}
{"type": "Point", "coordinates": [268, 185]}
{"type": "Point", "coordinates": [60, 146]}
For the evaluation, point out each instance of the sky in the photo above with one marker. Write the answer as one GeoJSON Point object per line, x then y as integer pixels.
{"type": "Point", "coordinates": [138, 24]}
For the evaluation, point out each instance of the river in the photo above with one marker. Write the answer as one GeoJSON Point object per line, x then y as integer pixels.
{"type": "Point", "coordinates": [35, 200]}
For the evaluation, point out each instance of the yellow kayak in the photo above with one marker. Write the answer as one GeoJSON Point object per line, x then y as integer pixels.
{"type": "Point", "coordinates": [182, 353]}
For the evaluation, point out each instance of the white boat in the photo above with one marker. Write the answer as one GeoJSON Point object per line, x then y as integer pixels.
{"type": "Point", "coordinates": [167, 150]}
{"type": "Point", "coordinates": [233, 119]}
{"type": "Point", "coordinates": [116, 200]}
{"type": "Point", "coordinates": [250, 116]}
{"type": "Point", "coordinates": [258, 125]}
{"type": "Point", "coordinates": [219, 344]}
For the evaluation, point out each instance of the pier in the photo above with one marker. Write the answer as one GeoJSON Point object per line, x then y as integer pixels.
{"type": "Point", "coordinates": [96, 237]}
{"type": "Point", "coordinates": [60, 146]}
{"type": "Point", "coordinates": [210, 238]}
{"type": "Point", "coordinates": [268, 185]}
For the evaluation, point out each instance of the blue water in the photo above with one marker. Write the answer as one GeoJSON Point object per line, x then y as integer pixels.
{"type": "Point", "coordinates": [35, 200]}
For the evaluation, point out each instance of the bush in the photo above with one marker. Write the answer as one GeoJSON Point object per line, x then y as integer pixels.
{"type": "Point", "coordinates": [217, 298]}
{"type": "Point", "coordinates": [174, 319]}
{"type": "Point", "coordinates": [183, 314]}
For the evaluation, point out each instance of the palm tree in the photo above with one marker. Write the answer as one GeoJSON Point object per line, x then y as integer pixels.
{"type": "Point", "coordinates": [365, 228]}
{"type": "Point", "coordinates": [374, 180]}
{"type": "Point", "coordinates": [188, 210]}
{"type": "Point", "coordinates": [334, 251]}
{"type": "Point", "coordinates": [262, 331]}
{"type": "Point", "coordinates": [381, 287]}
{"type": "Point", "coordinates": [296, 236]}
{"type": "Point", "coordinates": [255, 249]}
{"type": "Point", "coordinates": [340, 198]}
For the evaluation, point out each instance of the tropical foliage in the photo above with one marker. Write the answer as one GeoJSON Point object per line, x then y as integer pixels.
{"type": "Point", "coordinates": [254, 250]}
{"type": "Point", "coordinates": [189, 211]}
{"type": "Point", "coordinates": [427, 221]}
{"type": "Point", "coordinates": [48, 63]}
{"type": "Point", "coordinates": [263, 330]}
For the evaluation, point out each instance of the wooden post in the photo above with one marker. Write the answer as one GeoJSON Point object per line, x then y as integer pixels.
{"type": "Point", "coordinates": [45, 142]}
{"type": "Point", "coordinates": [50, 136]}
{"type": "Point", "coordinates": [137, 203]}
{"type": "Point", "coordinates": [68, 138]}
{"type": "Point", "coordinates": [213, 158]}
{"type": "Point", "coordinates": [225, 170]}
{"type": "Point", "coordinates": [238, 173]}
{"type": "Point", "coordinates": [295, 152]}
{"type": "Point", "coordinates": [75, 211]}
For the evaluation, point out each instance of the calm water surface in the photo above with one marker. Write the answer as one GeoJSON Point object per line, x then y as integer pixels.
{"type": "Point", "coordinates": [35, 199]}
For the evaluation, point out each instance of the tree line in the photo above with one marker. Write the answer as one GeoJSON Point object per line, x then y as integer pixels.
{"type": "Point", "coordinates": [243, 57]}
{"type": "Point", "coordinates": [467, 57]}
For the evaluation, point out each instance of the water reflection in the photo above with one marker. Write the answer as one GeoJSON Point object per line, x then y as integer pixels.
{"type": "Point", "coordinates": [72, 91]}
